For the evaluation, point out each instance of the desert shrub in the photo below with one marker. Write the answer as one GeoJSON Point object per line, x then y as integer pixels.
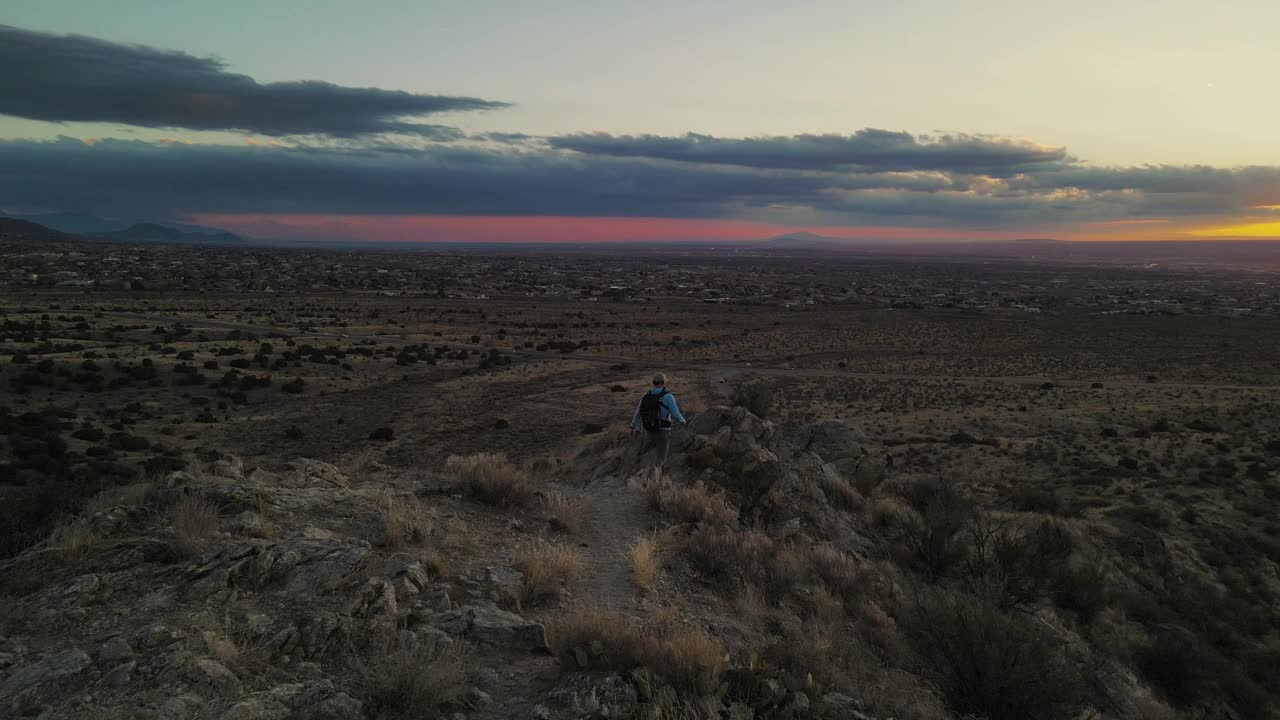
{"type": "Point", "coordinates": [491, 478]}
{"type": "Point", "coordinates": [685, 658]}
{"type": "Point", "coordinates": [703, 458]}
{"type": "Point", "coordinates": [1017, 565]}
{"type": "Point", "coordinates": [1034, 499]}
{"type": "Point", "coordinates": [1176, 662]}
{"type": "Point", "coordinates": [757, 398]}
{"type": "Point", "coordinates": [550, 569]}
{"type": "Point", "coordinates": [931, 534]}
{"type": "Point", "coordinates": [1080, 585]}
{"type": "Point", "coordinates": [406, 681]}
{"type": "Point", "coordinates": [989, 663]}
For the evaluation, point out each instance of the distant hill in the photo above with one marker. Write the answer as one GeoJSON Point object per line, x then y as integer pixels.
{"type": "Point", "coordinates": [16, 230]}
{"type": "Point", "coordinates": [155, 233]}
{"type": "Point", "coordinates": [82, 223]}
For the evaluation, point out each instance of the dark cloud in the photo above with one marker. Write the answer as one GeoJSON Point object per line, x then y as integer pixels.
{"type": "Point", "coordinates": [167, 180]}
{"type": "Point", "coordinates": [868, 149]}
{"type": "Point", "coordinates": [71, 78]}
{"type": "Point", "coordinates": [137, 177]}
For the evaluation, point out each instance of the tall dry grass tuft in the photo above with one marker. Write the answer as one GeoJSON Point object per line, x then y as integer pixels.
{"type": "Point", "coordinates": [194, 520]}
{"type": "Point", "coordinates": [74, 540]}
{"type": "Point", "coordinates": [692, 504]}
{"type": "Point", "coordinates": [411, 681]}
{"type": "Point", "coordinates": [491, 478]}
{"type": "Point", "coordinates": [645, 559]}
{"type": "Point", "coordinates": [567, 512]}
{"type": "Point", "coordinates": [550, 570]}
{"type": "Point", "coordinates": [405, 520]}
{"type": "Point", "coordinates": [684, 657]}
{"type": "Point", "coordinates": [843, 574]}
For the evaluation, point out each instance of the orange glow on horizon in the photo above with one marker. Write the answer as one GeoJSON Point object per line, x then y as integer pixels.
{"type": "Point", "coordinates": [1269, 230]}
{"type": "Point", "coordinates": [478, 228]}
{"type": "Point", "coordinates": [549, 229]}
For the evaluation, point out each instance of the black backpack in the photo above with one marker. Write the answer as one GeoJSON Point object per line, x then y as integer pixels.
{"type": "Point", "coordinates": [651, 412]}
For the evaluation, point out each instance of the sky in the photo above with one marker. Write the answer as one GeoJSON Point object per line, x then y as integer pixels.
{"type": "Point", "coordinates": [600, 121]}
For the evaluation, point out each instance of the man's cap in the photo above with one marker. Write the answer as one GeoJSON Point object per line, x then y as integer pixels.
{"type": "Point", "coordinates": [659, 379]}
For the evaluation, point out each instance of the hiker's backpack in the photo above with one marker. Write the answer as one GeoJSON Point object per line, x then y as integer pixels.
{"type": "Point", "coordinates": [651, 412]}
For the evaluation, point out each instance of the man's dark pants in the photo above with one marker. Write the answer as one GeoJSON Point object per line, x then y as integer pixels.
{"type": "Point", "coordinates": [660, 442]}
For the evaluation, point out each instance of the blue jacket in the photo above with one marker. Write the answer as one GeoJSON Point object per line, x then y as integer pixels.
{"type": "Point", "coordinates": [668, 411]}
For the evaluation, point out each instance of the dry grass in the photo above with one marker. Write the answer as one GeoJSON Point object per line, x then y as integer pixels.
{"type": "Point", "coordinates": [645, 558]}
{"type": "Point", "coordinates": [843, 574]}
{"type": "Point", "coordinates": [842, 494]}
{"type": "Point", "coordinates": [566, 511]}
{"type": "Point", "coordinates": [724, 552]}
{"type": "Point", "coordinates": [405, 520]}
{"type": "Point", "coordinates": [684, 657]}
{"type": "Point", "coordinates": [413, 681]}
{"type": "Point", "coordinates": [691, 504]}
{"type": "Point", "coordinates": [491, 478]}
{"type": "Point", "coordinates": [131, 495]}
{"type": "Point", "coordinates": [74, 540]}
{"type": "Point", "coordinates": [194, 520]}
{"type": "Point", "coordinates": [550, 570]}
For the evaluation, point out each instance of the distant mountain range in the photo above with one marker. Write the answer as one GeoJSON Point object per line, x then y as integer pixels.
{"type": "Point", "coordinates": [81, 223]}
{"type": "Point", "coordinates": [154, 233]}
{"type": "Point", "coordinates": [17, 230]}
{"type": "Point", "coordinates": [1189, 254]}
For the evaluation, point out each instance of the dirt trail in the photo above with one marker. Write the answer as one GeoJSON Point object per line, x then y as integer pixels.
{"type": "Point", "coordinates": [616, 518]}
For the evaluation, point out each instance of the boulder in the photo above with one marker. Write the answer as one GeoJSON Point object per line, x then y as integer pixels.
{"type": "Point", "coordinates": [256, 708]}
{"type": "Point", "coordinates": [82, 585]}
{"type": "Point", "coordinates": [415, 573]}
{"type": "Point", "coordinates": [507, 583]}
{"type": "Point", "coordinates": [115, 650]}
{"type": "Point", "coordinates": [308, 472]}
{"type": "Point", "coordinates": [338, 707]}
{"type": "Point", "coordinates": [48, 671]}
{"type": "Point", "coordinates": [180, 707]}
{"type": "Point", "coordinates": [376, 598]}
{"type": "Point", "coordinates": [212, 676]}
{"type": "Point", "coordinates": [487, 624]}
{"type": "Point", "coordinates": [229, 469]}
{"type": "Point", "coordinates": [842, 707]}
{"type": "Point", "coordinates": [248, 524]}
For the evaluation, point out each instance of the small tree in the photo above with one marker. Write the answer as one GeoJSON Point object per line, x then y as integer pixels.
{"type": "Point", "coordinates": [755, 397]}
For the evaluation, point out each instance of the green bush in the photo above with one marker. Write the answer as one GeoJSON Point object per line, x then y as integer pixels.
{"type": "Point", "coordinates": [756, 397]}
{"type": "Point", "coordinates": [990, 663]}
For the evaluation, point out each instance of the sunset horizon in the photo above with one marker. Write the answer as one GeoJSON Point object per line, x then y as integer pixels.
{"type": "Point", "coordinates": [175, 118]}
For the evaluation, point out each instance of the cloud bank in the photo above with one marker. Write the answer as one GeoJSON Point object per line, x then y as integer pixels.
{"type": "Point", "coordinates": [175, 179]}
{"type": "Point", "coordinates": [868, 150]}
{"type": "Point", "coordinates": [357, 152]}
{"type": "Point", "coordinates": [72, 78]}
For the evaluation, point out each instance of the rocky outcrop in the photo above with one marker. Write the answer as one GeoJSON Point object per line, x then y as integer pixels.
{"type": "Point", "coordinates": [799, 483]}
{"type": "Point", "coordinates": [488, 624]}
{"type": "Point", "coordinates": [263, 622]}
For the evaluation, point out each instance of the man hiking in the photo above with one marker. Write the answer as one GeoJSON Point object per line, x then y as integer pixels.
{"type": "Point", "coordinates": [655, 413]}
